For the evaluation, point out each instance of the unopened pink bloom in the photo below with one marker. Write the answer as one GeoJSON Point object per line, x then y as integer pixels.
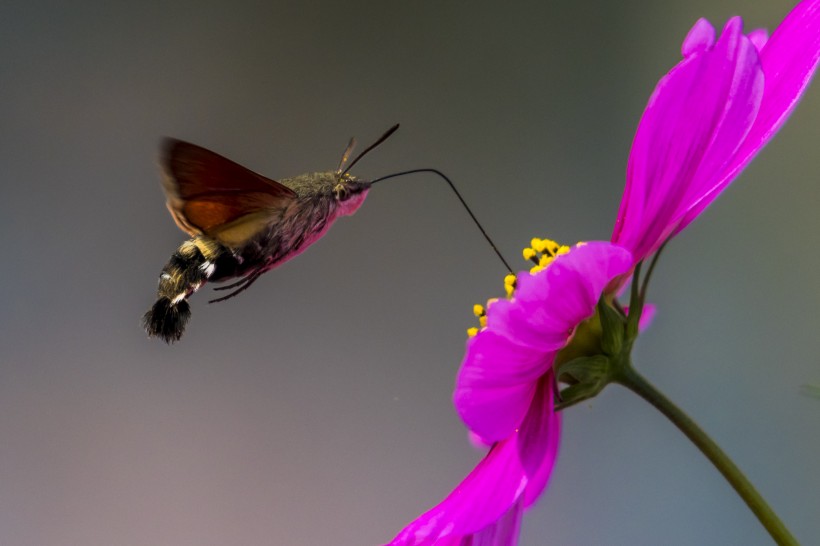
{"type": "Point", "coordinates": [707, 118]}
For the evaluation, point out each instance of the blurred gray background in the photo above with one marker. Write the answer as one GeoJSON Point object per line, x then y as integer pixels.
{"type": "Point", "coordinates": [315, 408]}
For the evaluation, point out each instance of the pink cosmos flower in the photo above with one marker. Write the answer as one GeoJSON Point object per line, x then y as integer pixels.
{"type": "Point", "coordinates": [505, 394]}
{"type": "Point", "coordinates": [706, 120]}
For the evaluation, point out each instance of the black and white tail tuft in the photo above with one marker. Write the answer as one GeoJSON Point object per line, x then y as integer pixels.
{"type": "Point", "coordinates": [188, 269]}
{"type": "Point", "coordinates": [166, 320]}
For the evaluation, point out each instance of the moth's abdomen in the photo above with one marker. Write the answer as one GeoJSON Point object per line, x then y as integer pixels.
{"type": "Point", "coordinates": [166, 320]}
{"type": "Point", "coordinates": [188, 269]}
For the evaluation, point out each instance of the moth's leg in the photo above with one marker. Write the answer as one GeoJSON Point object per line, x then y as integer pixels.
{"type": "Point", "coordinates": [246, 282]}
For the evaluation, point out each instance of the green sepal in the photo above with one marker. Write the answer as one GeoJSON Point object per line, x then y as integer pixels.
{"type": "Point", "coordinates": [613, 328]}
{"type": "Point", "coordinates": [586, 376]}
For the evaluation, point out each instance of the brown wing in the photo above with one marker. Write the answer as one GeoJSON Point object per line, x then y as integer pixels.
{"type": "Point", "coordinates": [207, 193]}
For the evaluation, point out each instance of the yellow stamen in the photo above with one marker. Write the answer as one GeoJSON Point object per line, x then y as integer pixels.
{"type": "Point", "coordinates": [541, 252]}
{"type": "Point", "coordinates": [509, 284]}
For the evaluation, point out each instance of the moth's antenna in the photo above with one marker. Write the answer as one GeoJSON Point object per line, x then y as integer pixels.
{"type": "Point", "coordinates": [384, 137]}
{"type": "Point", "coordinates": [452, 186]}
{"type": "Point", "coordinates": [346, 155]}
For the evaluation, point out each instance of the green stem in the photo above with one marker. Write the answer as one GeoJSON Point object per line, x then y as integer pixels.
{"type": "Point", "coordinates": [645, 285]}
{"type": "Point", "coordinates": [635, 307]}
{"type": "Point", "coordinates": [633, 381]}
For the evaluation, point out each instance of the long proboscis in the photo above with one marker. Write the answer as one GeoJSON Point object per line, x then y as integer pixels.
{"type": "Point", "coordinates": [460, 198]}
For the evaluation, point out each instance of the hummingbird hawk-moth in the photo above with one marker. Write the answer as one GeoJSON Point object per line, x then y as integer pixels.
{"type": "Point", "coordinates": [241, 224]}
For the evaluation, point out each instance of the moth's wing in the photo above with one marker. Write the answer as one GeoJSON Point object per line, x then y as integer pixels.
{"type": "Point", "coordinates": [208, 194]}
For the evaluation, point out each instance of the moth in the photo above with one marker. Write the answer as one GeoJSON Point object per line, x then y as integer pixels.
{"type": "Point", "coordinates": [241, 224]}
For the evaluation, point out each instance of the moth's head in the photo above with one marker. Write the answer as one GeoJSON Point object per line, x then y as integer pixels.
{"type": "Point", "coordinates": [349, 193]}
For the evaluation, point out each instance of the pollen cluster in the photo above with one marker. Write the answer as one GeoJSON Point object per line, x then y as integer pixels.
{"type": "Point", "coordinates": [541, 252]}
{"type": "Point", "coordinates": [481, 313]}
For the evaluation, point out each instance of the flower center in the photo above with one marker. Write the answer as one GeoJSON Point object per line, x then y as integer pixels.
{"type": "Point", "coordinates": [541, 252]}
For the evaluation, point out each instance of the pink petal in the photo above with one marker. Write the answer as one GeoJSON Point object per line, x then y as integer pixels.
{"type": "Point", "coordinates": [503, 532]}
{"type": "Point", "coordinates": [530, 326]}
{"type": "Point", "coordinates": [484, 498]}
{"type": "Point", "coordinates": [485, 509]}
{"type": "Point", "coordinates": [700, 38]}
{"type": "Point", "coordinates": [759, 37]}
{"type": "Point", "coordinates": [548, 305]}
{"type": "Point", "coordinates": [504, 361]}
{"type": "Point", "coordinates": [538, 481]}
{"type": "Point", "coordinates": [696, 119]}
{"type": "Point", "coordinates": [539, 438]}
{"type": "Point", "coordinates": [789, 60]}
{"type": "Point", "coordinates": [534, 436]}
{"type": "Point", "coordinates": [477, 441]}
{"type": "Point", "coordinates": [496, 383]}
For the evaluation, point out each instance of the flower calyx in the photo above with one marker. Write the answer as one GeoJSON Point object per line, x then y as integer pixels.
{"type": "Point", "coordinates": [594, 357]}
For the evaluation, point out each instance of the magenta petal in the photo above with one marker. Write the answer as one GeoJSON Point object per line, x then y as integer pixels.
{"type": "Point", "coordinates": [700, 38]}
{"type": "Point", "coordinates": [696, 119]}
{"type": "Point", "coordinates": [496, 383]}
{"type": "Point", "coordinates": [534, 433]}
{"type": "Point", "coordinates": [529, 325]}
{"type": "Point", "coordinates": [504, 361]}
{"type": "Point", "coordinates": [539, 438]}
{"type": "Point", "coordinates": [477, 441]}
{"type": "Point", "coordinates": [735, 107]}
{"type": "Point", "coordinates": [555, 300]}
{"type": "Point", "coordinates": [549, 304]}
{"type": "Point", "coordinates": [759, 37]}
{"type": "Point", "coordinates": [538, 481]}
{"type": "Point", "coordinates": [789, 60]}
{"type": "Point", "coordinates": [503, 532]}
{"type": "Point", "coordinates": [482, 499]}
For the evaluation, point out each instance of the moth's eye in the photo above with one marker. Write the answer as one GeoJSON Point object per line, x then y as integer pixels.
{"type": "Point", "coordinates": [340, 192]}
